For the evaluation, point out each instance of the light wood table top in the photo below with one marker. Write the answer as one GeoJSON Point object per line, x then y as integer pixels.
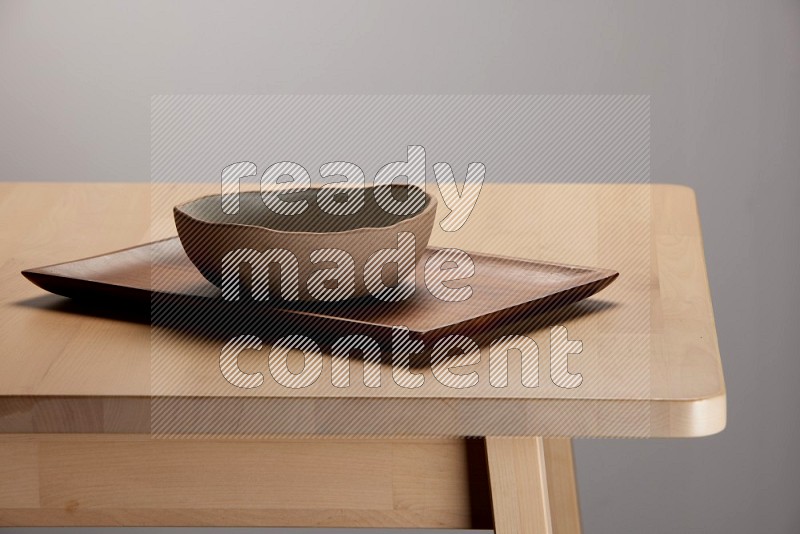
{"type": "Point", "coordinates": [650, 361]}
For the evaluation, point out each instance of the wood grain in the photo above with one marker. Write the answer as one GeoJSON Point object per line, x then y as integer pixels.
{"type": "Point", "coordinates": [562, 488]}
{"type": "Point", "coordinates": [518, 475]}
{"type": "Point", "coordinates": [533, 485]}
{"type": "Point", "coordinates": [109, 480]}
{"type": "Point", "coordinates": [651, 363]}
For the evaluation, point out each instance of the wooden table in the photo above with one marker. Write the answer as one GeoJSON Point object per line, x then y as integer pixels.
{"type": "Point", "coordinates": [76, 383]}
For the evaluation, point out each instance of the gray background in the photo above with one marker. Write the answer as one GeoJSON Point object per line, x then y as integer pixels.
{"type": "Point", "coordinates": [724, 80]}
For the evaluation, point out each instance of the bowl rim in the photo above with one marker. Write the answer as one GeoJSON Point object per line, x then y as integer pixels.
{"type": "Point", "coordinates": [430, 206]}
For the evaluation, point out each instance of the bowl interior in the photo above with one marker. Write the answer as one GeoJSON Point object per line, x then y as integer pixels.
{"type": "Point", "coordinates": [253, 211]}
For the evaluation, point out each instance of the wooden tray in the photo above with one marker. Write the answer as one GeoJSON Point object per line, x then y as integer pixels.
{"type": "Point", "coordinates": [160, 272]}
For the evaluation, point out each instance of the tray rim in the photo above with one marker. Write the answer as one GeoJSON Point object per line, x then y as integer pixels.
{"type": "Point", "coordinates": [596, 279]}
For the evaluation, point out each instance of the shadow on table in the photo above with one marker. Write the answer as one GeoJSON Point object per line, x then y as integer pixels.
{"type": "Point", "coordinates": [222, 322]}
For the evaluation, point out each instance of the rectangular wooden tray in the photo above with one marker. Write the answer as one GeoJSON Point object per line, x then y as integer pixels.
{"type": "Point", "coordinates": [160, 272]}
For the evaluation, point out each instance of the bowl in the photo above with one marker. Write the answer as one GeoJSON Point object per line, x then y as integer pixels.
{"type": "Point", "coordinates": [223, 245]}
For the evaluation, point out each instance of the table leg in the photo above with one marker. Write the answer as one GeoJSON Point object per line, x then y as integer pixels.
{"type": "Point", "coordinates": [533, 485]}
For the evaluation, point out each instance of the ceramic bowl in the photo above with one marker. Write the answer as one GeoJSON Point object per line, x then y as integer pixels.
{"type": "Point", "coordinates": [208, 234]}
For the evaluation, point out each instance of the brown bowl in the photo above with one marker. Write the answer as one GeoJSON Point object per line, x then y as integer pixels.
{"type": "Point", "coordinates": [208, 234]}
